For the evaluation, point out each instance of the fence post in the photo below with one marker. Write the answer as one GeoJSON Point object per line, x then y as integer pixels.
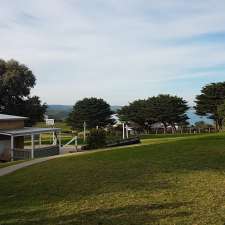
{"type": "Point", "coordinates": [12, 148]}
{"type": "Point", "coordinates": [40, 140]}
{"type": "Point", "coordinates": [32, 146]}
{"type": "Point", "coordinates": [60, 140]}
{"type": "Point", "coordinates": [84, 131]}
{"type": "Point", "coordinates": [127, 134]}
{"type": "Point", "coordinates": [123, 131]}
{"type": "Point", "coordinates": [76, 143]}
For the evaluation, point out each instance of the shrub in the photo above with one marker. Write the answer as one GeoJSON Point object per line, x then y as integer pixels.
{"type": "Point", "coordinates": [96, 139]}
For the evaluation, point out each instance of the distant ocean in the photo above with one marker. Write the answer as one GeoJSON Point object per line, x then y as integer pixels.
{"type": "Point", "coordinates": [193, 118]}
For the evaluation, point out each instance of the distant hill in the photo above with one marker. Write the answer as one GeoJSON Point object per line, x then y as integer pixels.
{"type": "Point", "coordinates": [61, 112]}
{"type": "Point", "coordinates": [60, 107]}
{"type": "Point", "coordinates": [115, 108]}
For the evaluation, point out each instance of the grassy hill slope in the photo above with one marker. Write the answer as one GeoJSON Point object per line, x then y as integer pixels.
{"type": "Point", "coordinates": [165, 181]}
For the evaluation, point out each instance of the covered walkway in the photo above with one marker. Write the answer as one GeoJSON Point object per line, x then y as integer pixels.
{"type": "Point", "coordinates": [32, 152]}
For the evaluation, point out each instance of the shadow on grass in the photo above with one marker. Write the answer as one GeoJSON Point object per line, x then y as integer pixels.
{"type": "Point", "coordinates": [142, 168]}
{"type": "Point", "coordinates": [133, 170]}
{"type": "Point", "coordinates": [128, 215]}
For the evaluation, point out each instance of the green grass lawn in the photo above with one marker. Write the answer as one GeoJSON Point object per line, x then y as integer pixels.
{"type": "Point", "coordinates": [63, 125]}
{"type": "Point", "coordinates": [153, 136]}
{"type": "Point", "coordinates": [171, 180]}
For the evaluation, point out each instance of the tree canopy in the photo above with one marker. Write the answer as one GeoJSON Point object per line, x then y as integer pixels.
{"type": "Point", "coordinates": [212, 96]}
{"type": "Point", "coordinates": [93, 111]}
{"type": "Point", "coordinates": [137, 112]}
{"type": "Point", "coordinates": [169, 110]}
{"type": "Point", "coordinates": [16, 82]}
{"type": "Point", "coordinates": [166, 109]}
{"type": "Point", "coordinates": [221, 112]}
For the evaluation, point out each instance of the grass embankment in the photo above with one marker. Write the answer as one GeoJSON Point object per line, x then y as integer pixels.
{"type": "Point", "coordinates": [165, 181]}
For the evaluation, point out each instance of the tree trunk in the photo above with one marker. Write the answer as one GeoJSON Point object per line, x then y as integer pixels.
{"type": "Point", "coordinates": [173, 129]}
{"type": "Point", "coordinates": [164, 128]}
{"type": "Point", "coordinates": [219, 125]}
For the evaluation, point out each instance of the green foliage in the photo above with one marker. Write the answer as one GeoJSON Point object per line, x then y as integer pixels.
{"type": "Point", "coordinates": [96, 139]}
{"type": "Point", "coordinates": [34, 110]}
{"type": "Point", "coordinates": [16, 82]}
{"type": "Point", "coordinates": [212, 95]}
{"type": "Point", "coordinates": [137, 111]}
{"type": "Point", "coordinates": [94, 111]}
{"type": "Point", "coordinates": [166, 109]}
{"type": "Point", "coordinates": [221, 112]}
{"type": "Point", "coordinates": [169, 110]}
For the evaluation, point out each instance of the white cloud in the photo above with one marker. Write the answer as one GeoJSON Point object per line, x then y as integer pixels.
{"type": "Point", "coordinates": [111, 48]}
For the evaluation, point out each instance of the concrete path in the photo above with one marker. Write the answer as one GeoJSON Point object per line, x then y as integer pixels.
{"type": "Point", "coordinates": [13, 168]}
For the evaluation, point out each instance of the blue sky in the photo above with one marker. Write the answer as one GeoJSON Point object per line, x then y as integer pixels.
{"type": "Point", "coordinates": [117, 50]}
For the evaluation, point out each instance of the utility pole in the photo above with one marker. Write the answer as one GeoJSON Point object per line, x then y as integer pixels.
{"type": "Point", "coordinates": [84, 131]}
{"type": "Point", "coordinates": [127, 135]}
{"type": "Point", "coordinates": [123, 131]}
{"type": "Point", "coordinates": [75, 143]}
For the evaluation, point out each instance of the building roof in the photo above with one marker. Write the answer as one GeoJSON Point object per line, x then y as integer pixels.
{"type": "Point", "coordinates": [27, 131]}
{"type": "Point", "coordinates": [11, 117]}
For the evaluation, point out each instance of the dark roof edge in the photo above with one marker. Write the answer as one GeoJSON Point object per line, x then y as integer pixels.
{"type": "Point", "coordinates": [4, 117]}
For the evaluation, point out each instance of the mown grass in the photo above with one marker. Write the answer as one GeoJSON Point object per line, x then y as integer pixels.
{"type": "Point", "coordinates": [154, 136]}
{"type": "Point", "coordinates": [63, 125]}
{"type": "Point", "coordinates": [165, 181]}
